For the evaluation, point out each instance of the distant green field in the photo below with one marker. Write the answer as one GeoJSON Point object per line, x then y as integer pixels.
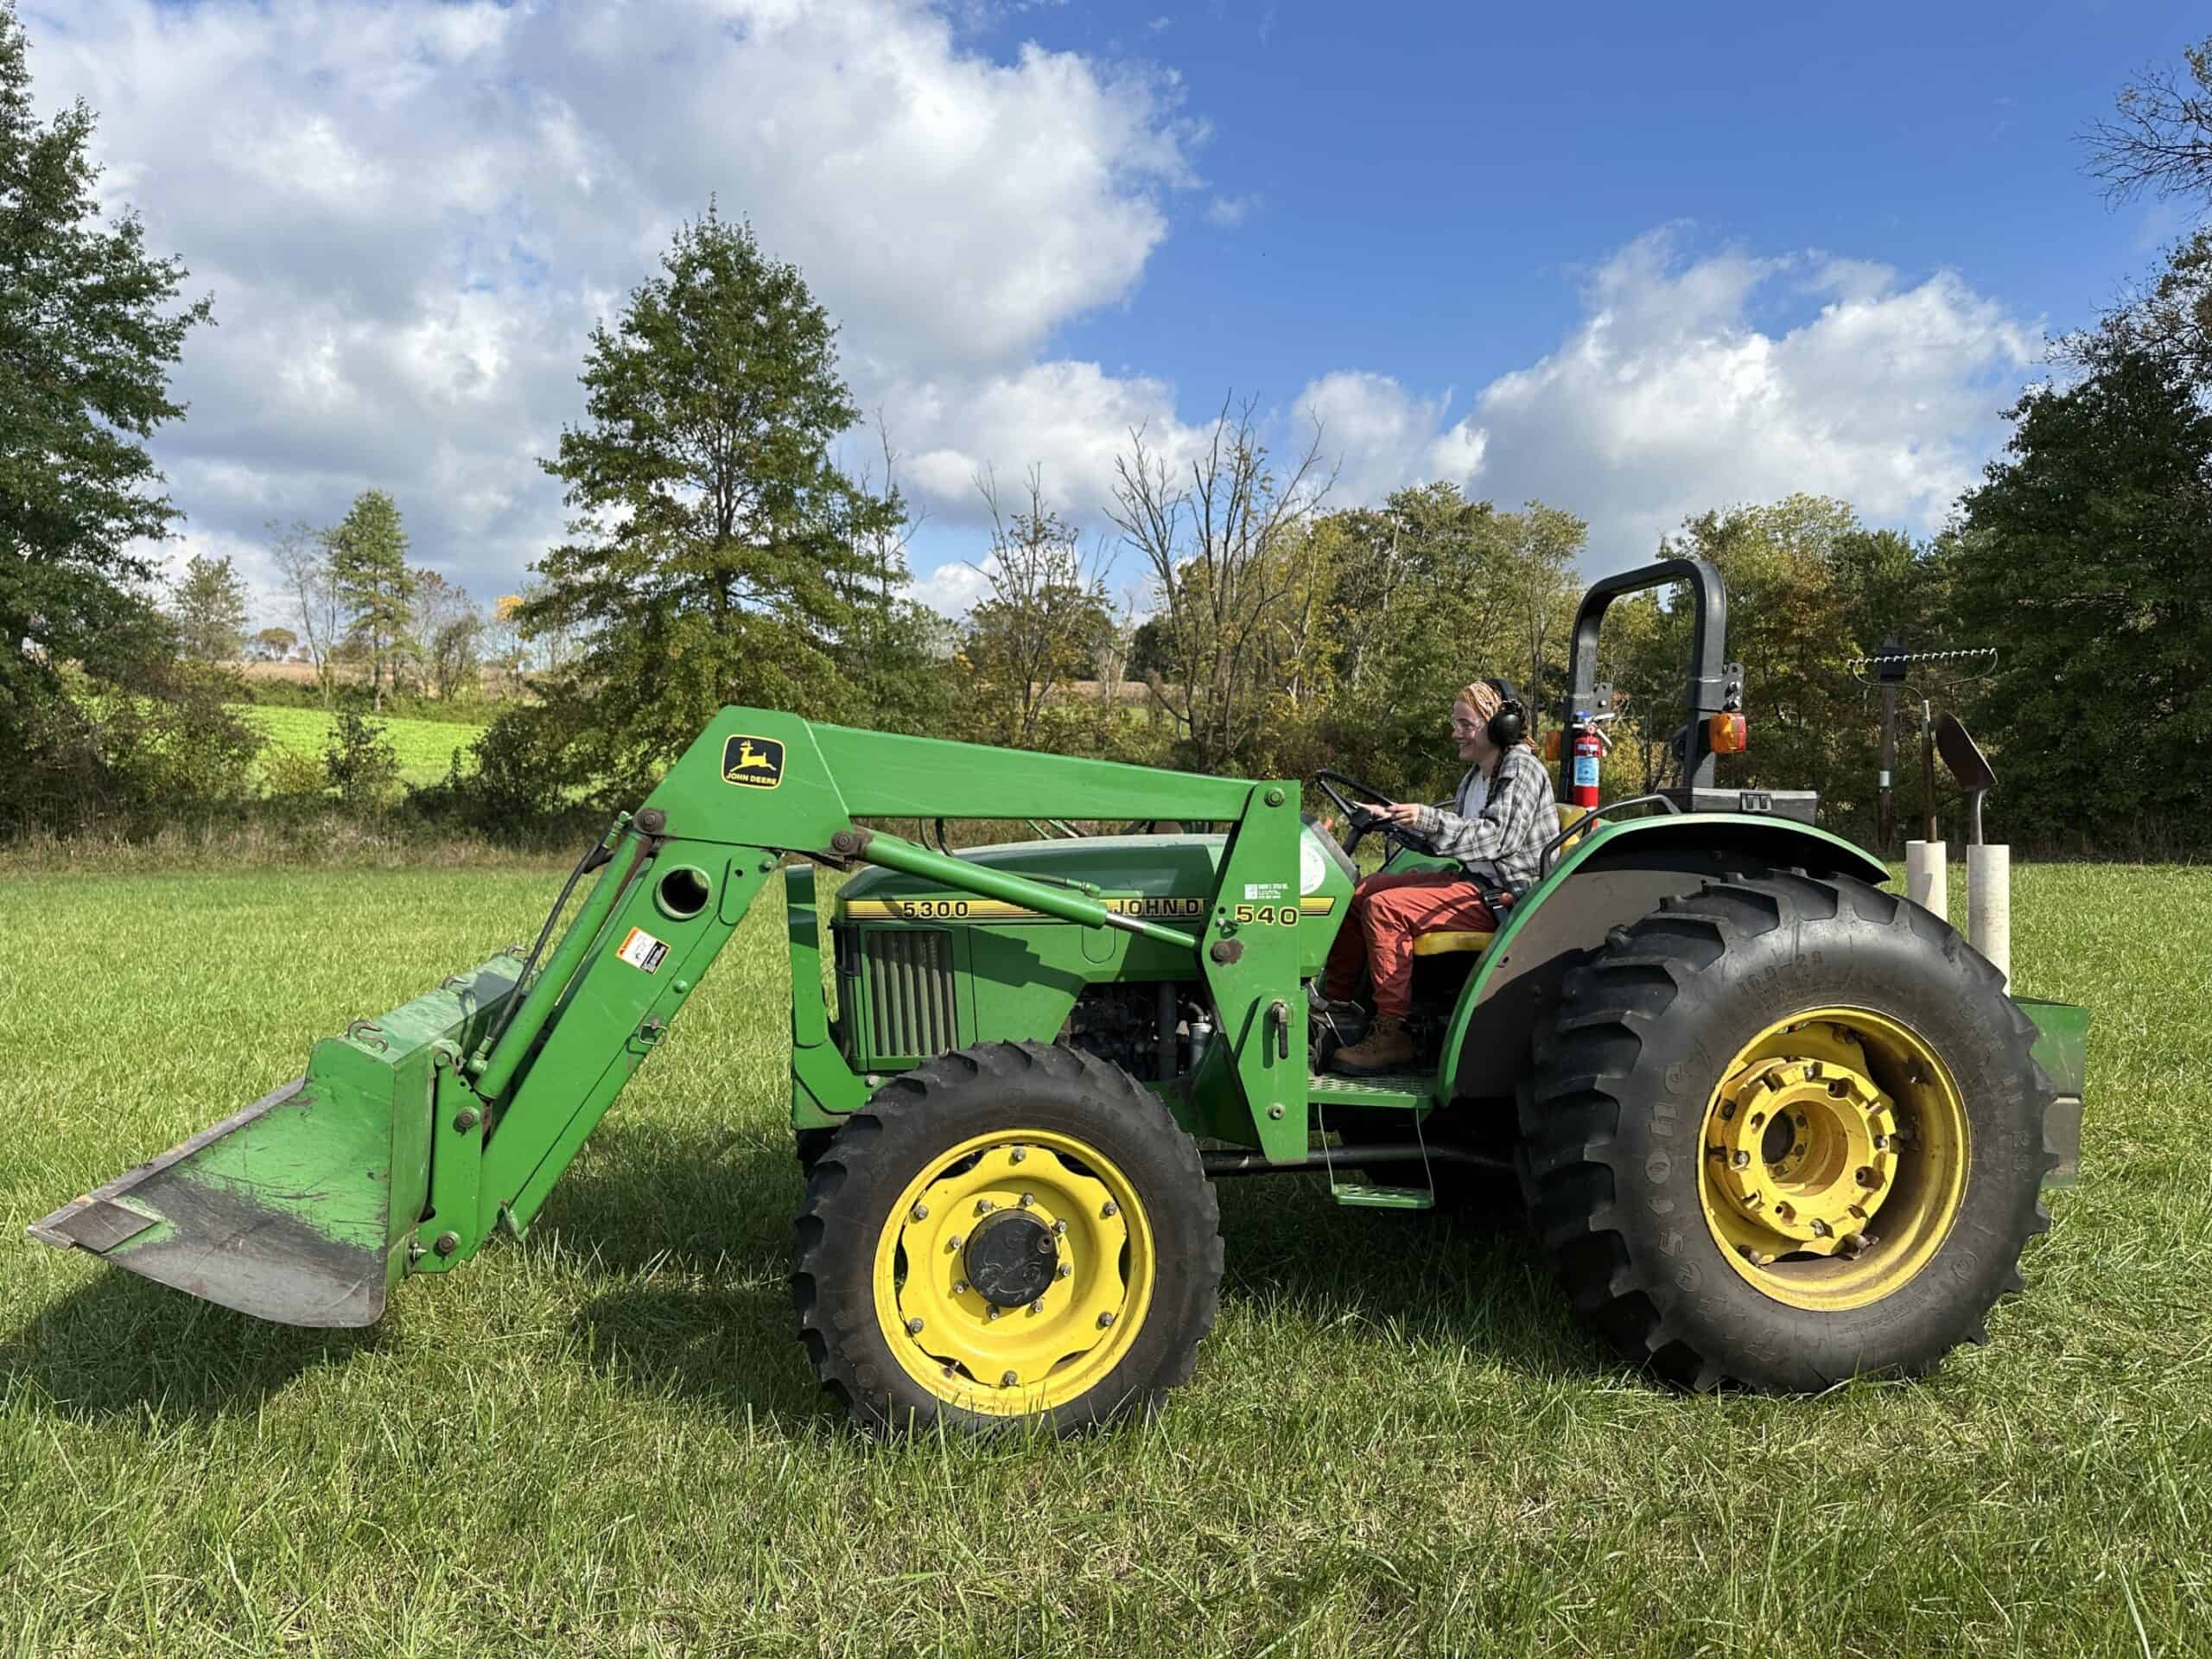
{"type": "Point", "coordinates": [604, 1441]}
{"type": "Point", "coordinates": [425, 747]}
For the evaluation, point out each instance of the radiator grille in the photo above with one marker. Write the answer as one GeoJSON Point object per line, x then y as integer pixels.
{"type": "Point", "coordinates": [909, 991]}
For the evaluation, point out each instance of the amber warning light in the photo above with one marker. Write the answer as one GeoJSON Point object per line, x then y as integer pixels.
{"type": "Point", "coordinates": [1729, 734]}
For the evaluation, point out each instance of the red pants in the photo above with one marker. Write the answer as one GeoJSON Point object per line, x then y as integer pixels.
{"type": "Point", "coordinates": [1387, 910]}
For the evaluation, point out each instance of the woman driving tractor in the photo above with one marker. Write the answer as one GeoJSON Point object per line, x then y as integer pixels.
{"type": "Point", "coordinates": [1500, 818]}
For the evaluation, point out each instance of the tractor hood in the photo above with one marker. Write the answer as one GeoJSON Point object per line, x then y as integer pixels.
{"type": "Point", "coordinates": [1162, 877]}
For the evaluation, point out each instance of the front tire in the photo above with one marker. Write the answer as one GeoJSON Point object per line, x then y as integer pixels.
{"type": "Point", "coordinates": [1009, 1232]}
{"type": "Point", "coordinates": [1786, 1131]}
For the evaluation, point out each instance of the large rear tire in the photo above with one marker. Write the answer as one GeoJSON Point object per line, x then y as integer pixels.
{"type": "Point", "coordinates": [1013, 1232]}
{"type": "Point", "coordinates": [1786, 1131]}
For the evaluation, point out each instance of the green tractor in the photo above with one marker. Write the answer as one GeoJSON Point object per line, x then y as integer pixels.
{"type": "Point", "coordinates": [1772, 1125]}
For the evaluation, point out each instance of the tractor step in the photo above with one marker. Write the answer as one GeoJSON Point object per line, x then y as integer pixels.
{"type": "Point", "coordinates": [1365, 1195]}
{"type": "Point", "coordinates": [1413, 1091]}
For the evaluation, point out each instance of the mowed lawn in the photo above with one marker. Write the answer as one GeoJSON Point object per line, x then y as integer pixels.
{"type": "Point", "coordinates": [605, 1441]}
{"type": "Point", "coordinates": [424, 749]}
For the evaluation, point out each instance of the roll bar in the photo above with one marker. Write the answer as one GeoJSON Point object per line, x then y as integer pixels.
{"type": "Point", "coordinates": [1715, 683]}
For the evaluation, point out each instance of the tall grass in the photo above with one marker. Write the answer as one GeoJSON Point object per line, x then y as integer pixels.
{"type": "Point", "coordinates": [604, 1441]}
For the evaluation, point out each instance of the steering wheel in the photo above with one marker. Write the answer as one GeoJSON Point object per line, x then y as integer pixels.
{"type": "Point", "coordinates": [1357, 819]}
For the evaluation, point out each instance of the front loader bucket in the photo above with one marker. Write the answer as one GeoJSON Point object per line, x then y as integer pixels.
{"type": "Point", "coordinates": [303, 1207]}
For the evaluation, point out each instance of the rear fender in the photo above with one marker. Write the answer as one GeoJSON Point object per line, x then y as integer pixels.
{"type": "Point", "coordinates": [1611, 878]}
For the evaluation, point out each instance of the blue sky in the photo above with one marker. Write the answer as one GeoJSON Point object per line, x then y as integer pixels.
{"type": "Point", "coordinates": [1634, 260]}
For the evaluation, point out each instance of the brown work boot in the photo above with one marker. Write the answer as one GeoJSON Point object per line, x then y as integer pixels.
{"type": "Point", "coordinates": [1387, 1047]}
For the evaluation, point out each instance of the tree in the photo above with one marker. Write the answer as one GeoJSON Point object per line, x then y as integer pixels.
{"type": "Point", "coordinates": [1043, 622]}
{"type": "Point", "coordinates": [367, 551]}
{"type": "Point", "coordinates": [272, 644]}
{"type": "Point", "coordinates": [1429, 591]}
{"type": "Point", "coordinates": [716, 553]}
{"type": "Point", "coordinates": [302, 553]}
{"type": "Point", "coordinates": [1230, 568]}
{"type": "Point", "coordinates": [449, 631]}
{"type": "Point", "coordinates": [2087, 552]}
{"type": "Point", "coordinates": [2160, 139]}
{"type": "Point", "coordinates": [89, 326]}
{"type": "Point", "coordinates": [208, 603]}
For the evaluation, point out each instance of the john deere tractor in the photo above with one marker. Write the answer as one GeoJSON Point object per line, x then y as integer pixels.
{"type": "Point", "coordinates": [1772, 1124]}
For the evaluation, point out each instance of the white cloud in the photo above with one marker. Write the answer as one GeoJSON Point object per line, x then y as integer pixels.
{"type": "Point", "coordinates": [1380, 436]}
{"type": "Point", "coordinates": [1229, 212]}
{"type": "Point", "coordinates": [1068, 420]}
{"type": "Point", "coordinates": [953, 588]}
{"type": "Point", "coordinates": [410, 214]}
{"type": "Point", "coordinates": [1675, 394]}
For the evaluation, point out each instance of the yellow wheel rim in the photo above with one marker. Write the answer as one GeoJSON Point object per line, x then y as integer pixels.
{"type": "Point", "coordinates": [1018, 1209]}
{"type": "Point", "coordinates": [1834, 1158]}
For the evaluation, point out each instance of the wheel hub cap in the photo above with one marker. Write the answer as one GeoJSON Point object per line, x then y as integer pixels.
{"type": "Point", "coordinates": [1011, 1258]}
{"type": "Point", "coordinates": [1806, 1150]}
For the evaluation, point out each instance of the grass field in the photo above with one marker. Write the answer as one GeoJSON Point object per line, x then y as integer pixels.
{"type": "Point", "coordinates": [604, 1441]}
{"type": "Point", "coordinates": [425, 747]}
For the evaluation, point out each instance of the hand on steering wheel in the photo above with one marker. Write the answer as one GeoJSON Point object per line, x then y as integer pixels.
{"type": "Point", "coordinates": [1393, 819]}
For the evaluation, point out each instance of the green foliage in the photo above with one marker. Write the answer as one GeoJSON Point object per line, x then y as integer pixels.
{"type": "Point", "coordinates": [1043, 623]}
{"type": "Point", "coordinates": [156, 747]}
{"type": "Point", "coordinates": [716, 553]}
{"type": "Point", "coordinates": [2088, 552]}
{"type": "Point", "coordinates": [1429, 592]}
{"type": "Point", "coordinates": [367, 555]}
{"type": "Point", "coordinates": [517, 781]}
{"type": "Point", "coordinates": [88, 329]}
{"type": "Point", "coordinates": [208, 603]}
{"type": "Point", "coordinates": [361, 763]}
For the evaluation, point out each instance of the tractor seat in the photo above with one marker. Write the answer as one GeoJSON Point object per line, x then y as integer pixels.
{"type": "Point", "coordinates": [1446, 942]}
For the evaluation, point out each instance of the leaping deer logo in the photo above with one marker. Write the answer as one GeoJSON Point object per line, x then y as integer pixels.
{"type": "Point", "coordinates": [762, 767]}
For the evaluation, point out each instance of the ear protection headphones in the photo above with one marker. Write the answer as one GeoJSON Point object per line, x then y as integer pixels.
{"type": "Point", "coordinates": [1509, 725]}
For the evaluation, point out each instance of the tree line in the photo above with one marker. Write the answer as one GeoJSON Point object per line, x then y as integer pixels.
{"type": "Point", "coordinates": [721, 547]}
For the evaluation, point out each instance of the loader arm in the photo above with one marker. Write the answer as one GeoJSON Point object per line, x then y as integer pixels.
{"type": "Point", "coordinates": [413, 1139]}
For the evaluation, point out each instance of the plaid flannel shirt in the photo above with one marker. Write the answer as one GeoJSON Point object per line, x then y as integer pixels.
{"type": "Point", "coordinates": [1521, 815]}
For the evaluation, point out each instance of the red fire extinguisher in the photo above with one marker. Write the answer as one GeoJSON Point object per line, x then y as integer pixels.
{"type": "Point", "coordinates": [1589, 749]}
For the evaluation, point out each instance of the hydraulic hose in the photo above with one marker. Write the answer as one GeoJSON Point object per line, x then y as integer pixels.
{"type": "Point", "coordinates": [598, 854]}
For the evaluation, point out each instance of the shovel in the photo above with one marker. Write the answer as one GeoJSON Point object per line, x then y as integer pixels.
{"type": "Point", "coordinates": [1963, 756]}
{"type": "Point", "coordinates": [1989, 869]}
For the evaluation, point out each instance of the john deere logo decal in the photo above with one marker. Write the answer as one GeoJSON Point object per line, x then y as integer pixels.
{"type": "Point", "coordinates": [757, 762]}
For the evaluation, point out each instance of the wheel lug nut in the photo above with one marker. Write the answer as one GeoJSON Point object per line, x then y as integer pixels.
{"type": "Point", "coordinates": [920, 1212]}
{"type": "Point", "coordinates": [1059, 1227]}
{"type": "Point", "coordinates": [1037, 1306]}
{"type": "Point", "coordinates": [984, 1207]}
{"type": "Point", "coordinates": [1105, 1319]}
{"type": "Point", "coordinates": [1028, 1200]}
{"type": "Point", "coordinates": [1741, 1160]}
{"type": "Point", "coordinates": [1110, 1208]}
{"type": "Point", "coordinates": [955, 1242]}
{"type": "Point", "coordinates": [1007, 1379]}
{"type": "Point", "coordinates": [1017, 1154]}
{"type": "Point", "coordinates": [1062, 1271]}
{"type": "Point", "coordinates": [914, 1327]}
{"type": "Point", "coordinates": [1820, 1228]}
{"type": "Point", "coordinates": [993, 1312]}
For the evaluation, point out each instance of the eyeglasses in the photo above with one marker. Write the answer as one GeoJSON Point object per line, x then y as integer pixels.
{"type": "Point", "coordinates": [1461, 728]}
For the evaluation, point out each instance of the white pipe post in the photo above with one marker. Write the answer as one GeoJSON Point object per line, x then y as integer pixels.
{"type": "Point", "coordinates": [1927, 877]}
{"type": "Point", "coordinates": [1989, 905]}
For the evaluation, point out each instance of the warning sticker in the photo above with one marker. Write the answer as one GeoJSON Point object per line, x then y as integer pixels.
{"type": "Point", "coordinates": [642, 950]}
{"type": "Point", "coordinates": [1267, 893]}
